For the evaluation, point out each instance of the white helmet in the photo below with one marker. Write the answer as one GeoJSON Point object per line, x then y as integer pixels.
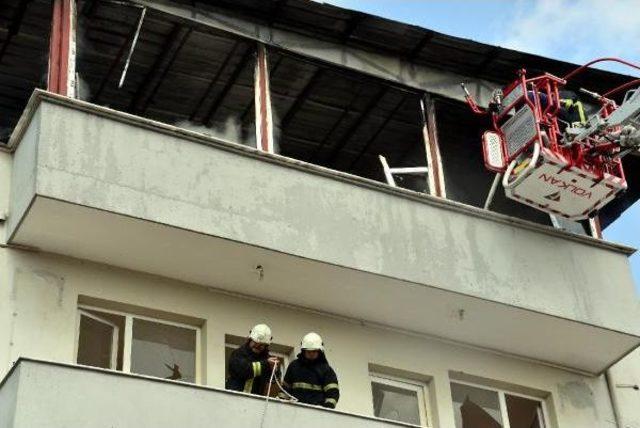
{"type": "Point", "coordinates": [261, 333]}
{"type": "Point", "coordinates": [312, 342]}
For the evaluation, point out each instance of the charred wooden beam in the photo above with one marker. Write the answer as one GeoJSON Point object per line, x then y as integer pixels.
{"type": "Point", "coordinates": [352, 26]}
{"type": "Point", "coordinates": [354, 127]}
{"type": "Point", "coordinates": [276, 8]}
{"type": "Point", "coordinates": [302, 97]}
{"type": "Point", "coordinates": [488, 59]}
{"type": "Point", "coordinates": [14, 27]}
{"type": "Point", "coordinates": [375, 136]}
{"type": "Point", "coordinates": [418, 48]}
{"type": "Point", "coordinates": [232, 53]}
{"type": "Point", "coordinates": [248, 54]}
{"type": "Point", "coordinates": [89, 8]}
{"type": "Point", "coordinates": [345, 114]}
{"type": "Point", "coordinates": [174, 42]}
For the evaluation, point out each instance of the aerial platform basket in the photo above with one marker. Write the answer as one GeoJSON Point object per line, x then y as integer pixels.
{"type": "Point", "coordinates": [568, 169]}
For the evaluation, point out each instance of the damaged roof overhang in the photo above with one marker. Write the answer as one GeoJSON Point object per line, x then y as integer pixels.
{"type": "Point", "coordinates": [24, 42]}
{"type": "Point", "coordinates": [412, 43]}
{"type": "Point", "coordinates": [421, 46]}
{"type": "Point", "coordinates": [24, 28]}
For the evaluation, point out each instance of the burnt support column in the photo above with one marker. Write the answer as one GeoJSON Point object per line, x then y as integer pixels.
{"type": "Point", "coordinates": [596, 229]}
{"type": "Point", "coordinates": [62, 49]}
{"type": "Point", "coordinates": [264, 115]}
{"type": "Point", "coordinates": [432, 148]}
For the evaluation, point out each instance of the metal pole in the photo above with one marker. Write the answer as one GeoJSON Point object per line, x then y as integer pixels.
{"type": "Point", "coordinates": [492, 192]}
{"type": "Point", "coordinates": [133, 46]}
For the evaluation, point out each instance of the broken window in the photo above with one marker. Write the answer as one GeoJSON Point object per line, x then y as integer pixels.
{"type": "Point", "coordinates": [136, 344]}
{"type": "Point", "coordinates": [163, 350]}
{"type": "Point", "coordinates": [480, 407]}
{"type": "Point", "coordinates": [400, 400]}
{"type": "Point", "coordinates": [345, 120]}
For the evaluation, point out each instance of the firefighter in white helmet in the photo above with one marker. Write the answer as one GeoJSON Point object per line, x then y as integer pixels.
{"type": "Point", "coordinates": [309, 377]}
{"type": "Point", "coordinates": [250, 365]}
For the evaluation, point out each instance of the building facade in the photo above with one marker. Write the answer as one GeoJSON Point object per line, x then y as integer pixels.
{"type": "Point", "coordinates": [184, 172]}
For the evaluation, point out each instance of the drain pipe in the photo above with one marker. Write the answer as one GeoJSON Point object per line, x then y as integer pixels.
{"type": "Point", "coordinates": [614, 399]}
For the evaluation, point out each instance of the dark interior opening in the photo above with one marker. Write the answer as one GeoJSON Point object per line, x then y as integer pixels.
{"type": "Point", "coordinates": [24, 55]}
{"type": "Point", "coordinates": [344, 120]}
{"type": "Point", "coordinates": [466, 179]}
{"type": "Point", "coordinates": [199, 78]}
{"type": "Point", "coordinates": [190, 76]}
{"type": "Point", "coordinates": [202, 79]}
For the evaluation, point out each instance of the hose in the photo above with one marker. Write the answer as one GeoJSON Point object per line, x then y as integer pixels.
{"type": "Point", "coordinates": [266, 403]}
{"type": "Point", "coordinates": [583, 67]}
{"type": "Point", "coordinates": [268, 397]}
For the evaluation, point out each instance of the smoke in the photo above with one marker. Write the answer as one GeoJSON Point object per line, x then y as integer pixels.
{"type": "Point", "coordinates": [233, 130]}
{"type": "Point", "coordinates": [230, 130]}
{"type": "Point", "coordinates": [277, 130]}
{"type": "Point", "coordinates": [83, 90]}
{"type": "Point", "coordinates": [83, 48]}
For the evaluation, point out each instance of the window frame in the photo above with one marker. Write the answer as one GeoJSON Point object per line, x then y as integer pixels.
{"type": "Point", "coordinates": [128, 338]}
{"type": "Point", "coordinates": [504, 414]}
{"type": "Point", "coordinates": [115, 336]}
{"type": "Point", "coordinates": [421, 389]}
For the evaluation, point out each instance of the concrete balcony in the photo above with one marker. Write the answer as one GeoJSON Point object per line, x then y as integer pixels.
{"type": "Point", "coordinates": [41, 394]}
{"type": "Point", "coordinates": [102, 185]}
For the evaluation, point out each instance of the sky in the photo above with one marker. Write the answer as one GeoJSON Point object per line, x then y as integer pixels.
{"type": "Point", "coordinates": [572, 30]}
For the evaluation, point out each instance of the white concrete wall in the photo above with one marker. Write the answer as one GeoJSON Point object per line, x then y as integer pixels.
{"type": "Point", "coordinates": [114, 163]}
{"type": "Point", "coordinates": [5, 290]}
{"type": "Point", "coordinates": [44, 292]}
{"type": "Point", "coordinates": [130, 401]}
{"type": "Point", "coordinates": [8, 399]}
{"type": "Point", "coordinates": [5, 184]}
{"type": "Point", "coordinates": [624, 376]}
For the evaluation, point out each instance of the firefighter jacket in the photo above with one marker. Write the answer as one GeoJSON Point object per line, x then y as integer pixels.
{"type": "Point", "coordinates": [312, 382]}
{"type": "Point", "coordinates": [248, 372]}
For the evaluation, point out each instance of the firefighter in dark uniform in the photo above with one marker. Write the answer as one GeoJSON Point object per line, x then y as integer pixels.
{"type": "Point", "coordinates": [309, 378]}
{"type": "Point", "coordinates": [250, 365]}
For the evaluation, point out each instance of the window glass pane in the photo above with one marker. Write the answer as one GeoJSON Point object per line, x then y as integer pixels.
{"type": "Point", "coordinates": [395, 403]}
{"type": "Point", "coordinates": [475, 407]}
{"type": "Point", "coordinates": [95, 343]}
{"type": "Point", "coordinates": [118, 321]}
{"type": "Point", "coordinates": [163, 350]}
{"type": "Point", "coordinates": [524, 413]}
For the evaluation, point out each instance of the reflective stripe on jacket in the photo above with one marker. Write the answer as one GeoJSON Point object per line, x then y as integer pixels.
{"type": "Point", "coordinates": [573, 111]}
{"type": "Point", "coordinates": [312, 382]}
{"type": "Point", "coordinates": [248, 372]}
